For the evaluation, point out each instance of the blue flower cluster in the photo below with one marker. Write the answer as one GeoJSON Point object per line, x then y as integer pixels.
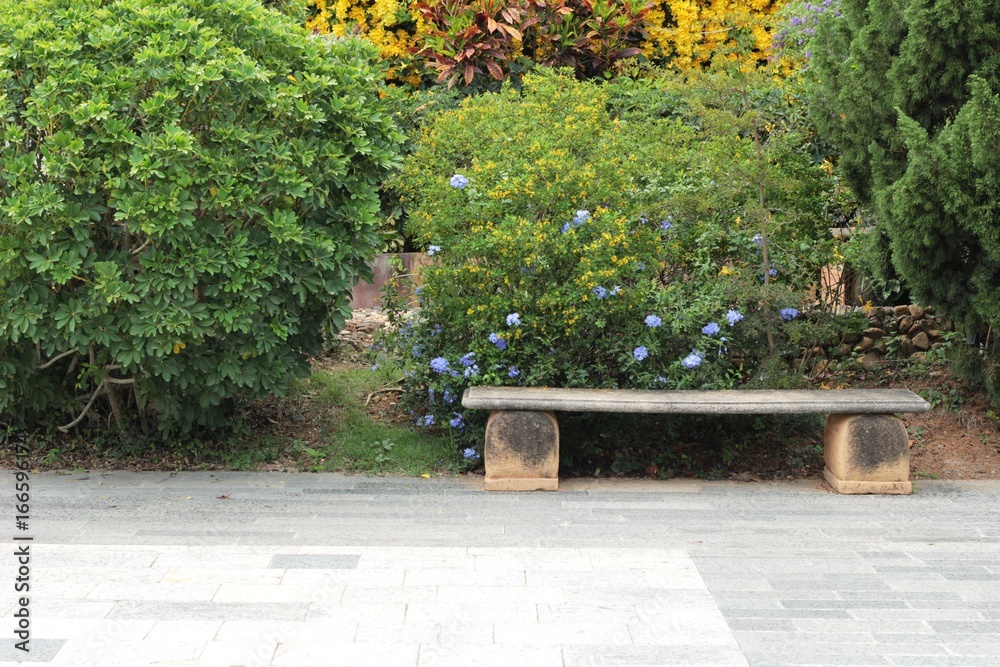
{"type": "Point", "coordinates": [733, 316]}
{"type": "Point", "coordinates": [457, 421]}
{"type": "Point", "coordinates": [514, 319]}
{"type": "Point", "coordinates": [711, 329]}
{"type": "Point", "coordinates": [439, 365]}
{"type": "Point", "coordinates": [498, 341]}
{"type": "Point", "coordinates": [469, 454]}
{"type": "Point", "coordinates": [640, 353]}
{"type": "Point", "coordinates": [653, 321]}
{"type": "Point", "coordinates": [788, 314]}
{"type": "Point", "coordinates": [425, 421]}
{"type": "Point", "coordinates": [458, 182]}
{"type": "Point", "coordinates": [433, 250]}
{"type": "Point", "coordinates": [693, 360]}
{"type": "Point", "coordinates": [579, 219]}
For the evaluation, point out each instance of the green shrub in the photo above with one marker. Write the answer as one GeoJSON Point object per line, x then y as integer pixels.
{"type": "Point", "coordinates": [187, 190]}
{"type": "Point", "coordinates": [576, 248]}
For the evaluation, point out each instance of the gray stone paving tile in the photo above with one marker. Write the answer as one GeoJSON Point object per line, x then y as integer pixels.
{"type": "Point", "coordinates": [494, 655]}
{"type": "Point", "coordinates": [962, 627]}
{"type": "Point", "coordinates": [41, 650]}
{"type": "Point", "coordinates": [652, 656]}
{"type": "Point", "coordinates": [315, 561]}
{"type": "Point", "coordinates": [210, 611]}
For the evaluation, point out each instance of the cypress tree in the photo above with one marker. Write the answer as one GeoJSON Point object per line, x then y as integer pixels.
{"type": "Point", "coordinates": [909, 91]}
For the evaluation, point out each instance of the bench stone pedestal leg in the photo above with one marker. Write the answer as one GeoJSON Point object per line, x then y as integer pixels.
{"type": "Point", "coordinates": [867, 454]}
{"type": "Point", "coordinates": [522, 451]}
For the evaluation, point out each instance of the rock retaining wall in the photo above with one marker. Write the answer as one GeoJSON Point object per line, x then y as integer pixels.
{"type": "Point", "coordinates": [892, 332]}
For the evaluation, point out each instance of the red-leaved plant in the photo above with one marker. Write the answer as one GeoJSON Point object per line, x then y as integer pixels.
{"type": "Point", "coordinates": [466, 39]}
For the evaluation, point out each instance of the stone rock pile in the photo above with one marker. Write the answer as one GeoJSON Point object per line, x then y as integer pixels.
{"type": "Point", "coordinates": [359, 331]}
{"type": "Point", "coordinates": [899, 332]}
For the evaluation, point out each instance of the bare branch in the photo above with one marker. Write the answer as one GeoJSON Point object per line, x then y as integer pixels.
{"type": "Point", "coordinates": [86, 409]}
{"type": "Point", "coordinates": [53, 360]}
{"type": "Point", "coordinates": [120, 381]}
{"type": "Point", "coordinates": [142, 247]}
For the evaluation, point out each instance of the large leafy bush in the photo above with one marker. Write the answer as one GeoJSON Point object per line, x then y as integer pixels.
{"type": "Point", "coordinates": [632, 235]}
{"type": "Point", "coordinates": [187, 190]}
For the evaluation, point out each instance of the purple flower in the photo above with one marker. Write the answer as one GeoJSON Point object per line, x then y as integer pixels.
{"type": "Point", "coordinates": [566, 227]}
{"type": "Point", "coordinates": [433, 250]}
{"type": "Point", "coordinates": [513, 372]}
{"type": "Point", "coordinates": [375, 368]}
{"type": "Point", "coordinates": [458, 182]}
{"type": "Point", "coordinates": [640, 353]}
{"type": "Point", "coordinates": [501, 345]}
{"type": "Point", "coordinates": [425, 421]}
{"type": "Point", "coordinates": [439, 365]}
{"type": "Point", "coordinates": [600, 292]}
{"type": "Point", "coordinates": [448, 397]}
{"type": "Point", "coordinates": [514, 319]}
{"type": "Point", "coordinates": [581, 217]}
{"type": "Point", "coordinates": [758, 239]}
{"type": "Point", "coordinates": [653, 321]}
{"type": "Point", "coordinates": [468, 359]}
{"type": "Point", "coordinates": [457, 422]}
{"type": "Point", "coordinates": [471, 371]}
{"type": "Point", "coordinates": [667, 224]}
{"type": "Point", "coordinates": [710, 329]}
{"type": "Point", "coordinates": [615, 291]}
{"type": "Point", "coordinates": [733, 316]}
{"type": "Point", "coordinates": [693, 360]}
{"type": "Point", "coordinates": [470, 454]}
{"type": "Point", "coordinates": [788, 314]}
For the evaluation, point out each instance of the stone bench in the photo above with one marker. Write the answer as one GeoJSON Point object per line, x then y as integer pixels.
{"type": "Point", "coordinates": [865, 447]}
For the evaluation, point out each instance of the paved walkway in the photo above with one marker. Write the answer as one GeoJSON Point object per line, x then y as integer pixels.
{"type": "Point", "coordinates": [313, 570]}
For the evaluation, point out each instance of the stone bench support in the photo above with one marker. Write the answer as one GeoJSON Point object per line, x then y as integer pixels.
{"type": "Point", "coordinates": [866, 448]}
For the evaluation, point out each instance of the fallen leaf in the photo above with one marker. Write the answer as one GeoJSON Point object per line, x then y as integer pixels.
{"type": "Point", "coordinates": [426, 476]}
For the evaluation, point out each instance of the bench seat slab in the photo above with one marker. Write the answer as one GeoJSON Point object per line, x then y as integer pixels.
{"type": "Point", "coordinates": [521, 452]}
{"type": "Point", "coordinates": [868, 453]}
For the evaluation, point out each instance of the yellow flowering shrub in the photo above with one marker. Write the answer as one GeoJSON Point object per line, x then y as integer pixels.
{"type": "Point", "coordinates": [689, 33]}
{"type": "Point", "coordinates": [393, 25]}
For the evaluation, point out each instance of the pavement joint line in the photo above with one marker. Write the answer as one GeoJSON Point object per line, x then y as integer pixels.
{"type": "Point", "coordinates": [752, 569]}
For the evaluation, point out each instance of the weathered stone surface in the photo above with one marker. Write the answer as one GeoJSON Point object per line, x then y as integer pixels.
{"type": "Point", "coordinates": [880, 346]}
{"type": "Point", "coordinates": [916, 328]}
{"type": "Point", "coordinates": [874, 333]}
{"type": "Point", "coordinates": [865, 344]}
{"type": "Point", "coordinates": [730, 401]}
{"type": "Point", "coordinates": [918, 356]}
{"type": "Point", "coordinates": [521, 452]}
{"type": "Point", "coordinates": [899, 311]}
{"type": "Point", "coordinates": [934, 333]}
{"type": "Point", "coordinates": [905, 346]}
{"type": "Point", "coordinates": [921, 341]}
{"type": "Point", "coordinates": [867, 454]}
{"type": "Point", "coordinates": [904, 324]}
{"type": "Point", "coordinates": [852, 337]}
{"type": "Point", "coordinates": [871, 360]}
{"type": "Point", "coordinates": [916, 312]}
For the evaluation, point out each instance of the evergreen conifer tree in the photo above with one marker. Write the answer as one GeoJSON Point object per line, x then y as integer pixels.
{"type": "Point", "coordinates": [909, 91]}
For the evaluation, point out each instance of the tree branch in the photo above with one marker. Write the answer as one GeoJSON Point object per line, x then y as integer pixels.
{"type": "Point", "coordinates": [86, 409]}
{"type": "Point", "coordinates": [53, 360]}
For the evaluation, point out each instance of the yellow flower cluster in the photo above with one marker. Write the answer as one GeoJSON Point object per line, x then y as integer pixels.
{"type": "Point", "coordinates": [379, 21]}
{"type": "Point", "coordinates": [689, 32]}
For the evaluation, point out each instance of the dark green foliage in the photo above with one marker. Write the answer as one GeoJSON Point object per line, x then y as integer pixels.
{"type": "Point", "coordinates": [908, 91]}
{"type": "Point", "coordinates": [188, 189]}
